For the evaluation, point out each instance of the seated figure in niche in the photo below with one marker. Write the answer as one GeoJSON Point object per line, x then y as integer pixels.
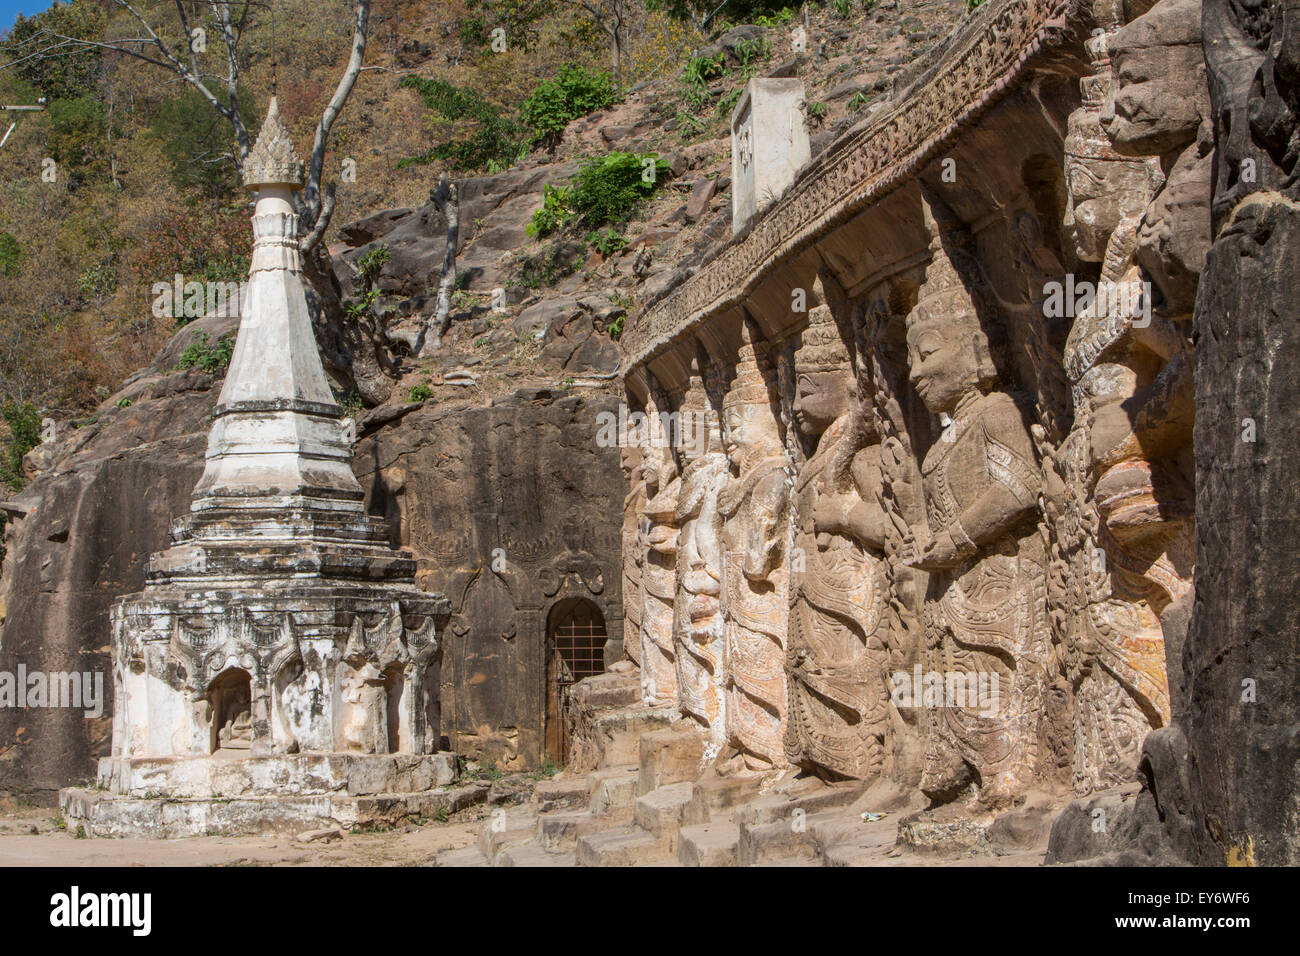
{"type": "Point", "coordinates": [986, 630]}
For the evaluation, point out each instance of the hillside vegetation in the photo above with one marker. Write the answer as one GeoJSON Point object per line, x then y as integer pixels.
{"type": "Point", "coordinates": [589, 169]}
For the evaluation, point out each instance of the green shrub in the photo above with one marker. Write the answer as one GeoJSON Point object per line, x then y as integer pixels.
{"type": "Point", "coordinates": [778, 19]}
{"type": "Point", "coordinates": [24, 434]}
{"type": "Point", "coordinates": [609, 188]}
{"type": "Point", "coordinates": [575, 91]}
{"type": "Point", "coordinates": [605, 241]}
{"type": "Point", "coordinates": [556, 212]}
{"type": "Point", "coordinates": [420, 392]}
{"type": "Point", "coordinates": [197, 142]}
{"type": "Point", "coordinates": [78, 129]}
{"type": "Point", "coordinates": [373, 261]}
{"type": "Point", "coordinates": [11, 255]}
{"type": "Point", "coordinates": [486, 137]}
{"type": "Point", "coordinates": [699, 70]}
{"type": "Point", "coordinates": [212, 357]}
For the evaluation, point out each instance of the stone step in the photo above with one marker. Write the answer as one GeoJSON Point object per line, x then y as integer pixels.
{"type": "Point", "coordinates": [565, 793]}
{"type": "Point", "coordinates": [663, 811]}
{"type": "Point", "coordinates": [506, 828]}
{"type": "Point", "coordinates": [766, 843]}
{"type": "Point", "coordinates": [530, 854]}
{"type": "Point", "coordinates": [669, 756]}
{"type": "Point", "coordinates": [809, 796]}
{"type": "Point", "coordinates": [708, 844]}
{"type": "Point", "coordinates": [466, 856]}
{"type": "Point", "coordinates": [559, 830]}
{"type": "Point", "coordinates": [618, 732]}
{"type": "Point", "coordinates": [621, 846]}
{"type": "Point", "coordinates": [613, 789]}
{"type": "Point", "coordinates": [713, 794]}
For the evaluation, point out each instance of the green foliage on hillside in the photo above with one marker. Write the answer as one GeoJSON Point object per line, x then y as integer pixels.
{"type": "Point", "coordinates": [24, 425]}
{"type": "Point", "coordinates": [72, 74]}
{"type": "Point", "coordinates": [11, 254]}
{"type": "Point", "coordinates": [485, 135]}
{"type": "Point", "coordinates": [198, 143]}
{"type": "Point", "coordinates": [609, 188]}
{"type": "Point", "coordinates": [212, 357]}
{"type": "Point", "coordinates": [605, 189]}
{"type": "Point", "coordinates": [574, 92]}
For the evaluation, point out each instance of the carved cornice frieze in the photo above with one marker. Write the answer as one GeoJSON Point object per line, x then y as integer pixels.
{"type": "Point", "coordinates": [978, 67]}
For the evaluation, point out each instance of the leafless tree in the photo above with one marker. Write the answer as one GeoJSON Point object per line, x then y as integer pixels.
{"type": "Point", "coordinates": [446, 198]}
{"type": "Point", "coordinates": [613, 17]}
{"type": "Point", "coordinates": [221, 91]}
{"type": "Point", "coordinates": [350, 350]}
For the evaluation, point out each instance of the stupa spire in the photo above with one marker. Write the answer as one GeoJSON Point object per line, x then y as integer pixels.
{"type": "Point", "coordinates": [277, 440]}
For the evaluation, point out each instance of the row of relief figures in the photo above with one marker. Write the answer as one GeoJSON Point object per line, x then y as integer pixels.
{"type": "Point", "coordinates": [929, 534]}
{"type": "Point", "coordinates": [811, 588]}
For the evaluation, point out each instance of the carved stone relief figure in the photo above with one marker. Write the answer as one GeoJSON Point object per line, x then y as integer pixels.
{"type": "Point", "coordinates": [755, 574]}
{"type": "Point", "coordinates": [658, 587]}
{"type": "Point", "coordinates": [633, 462]}
{"type": "Point", "coordinates": [985, 607]}
{"type": "Point", "coordinates": [659, 570]}
{"type": "Point", "coordinates": [698, 635]}
{"type": "Point", "coordinates": [1125, 528]}
{"type": "Point", "coordinates": [837, 661]}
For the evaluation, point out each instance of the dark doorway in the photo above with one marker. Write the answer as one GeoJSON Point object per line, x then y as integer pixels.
{"type": "Point", "coordinates": [394, 688]}
{"type": "Point", "coordinates": [575, 648]}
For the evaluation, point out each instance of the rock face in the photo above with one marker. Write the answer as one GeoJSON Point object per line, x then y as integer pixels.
{"type": "Point", "coordinates": [1242, 654]}
{"type": "Point", "coordinates": [496, 504]}
{"type": "Point", "coordinates": [973, 313]}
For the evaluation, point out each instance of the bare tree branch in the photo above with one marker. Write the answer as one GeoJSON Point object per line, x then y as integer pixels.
{"type": "Point", "coordinates": [312, 211]}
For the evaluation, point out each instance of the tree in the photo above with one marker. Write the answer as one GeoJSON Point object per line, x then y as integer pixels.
{"type": "Point", "coordinates": [41, 48]}
{"type": "Point", "coordinates": [613, 18]}
{"type": "Point", "coordinates": [35, 52]}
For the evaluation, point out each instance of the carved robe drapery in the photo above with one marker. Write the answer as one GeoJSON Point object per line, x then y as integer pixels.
{"type": "Point", "coordinates": [838, 697]}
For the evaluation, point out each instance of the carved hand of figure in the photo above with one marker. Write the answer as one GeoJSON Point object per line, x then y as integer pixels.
{"type": "Point", "coordinates": [942, 552]}
{"type": "Point", "coordinates": [831, 512]}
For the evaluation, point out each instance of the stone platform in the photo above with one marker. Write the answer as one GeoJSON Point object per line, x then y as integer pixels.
{"type": "Point", "coordinates": [178, 797]}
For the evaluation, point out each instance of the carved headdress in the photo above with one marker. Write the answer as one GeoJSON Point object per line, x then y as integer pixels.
{"type": "Point", "coordinates": [750, 387]}
{"type": "Point", "coordinates": [822, 349]}
{"type": "Point", "coordinates": [945, 303]}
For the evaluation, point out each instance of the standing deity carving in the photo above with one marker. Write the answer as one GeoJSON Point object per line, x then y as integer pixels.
{"type": "Point", "coordinates": [755, 506]}
{"type": "Point", "coordinates": [837, 660]}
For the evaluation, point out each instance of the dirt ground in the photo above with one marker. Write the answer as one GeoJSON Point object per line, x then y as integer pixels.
{"type": "Point", "coordinates": [31, 837]}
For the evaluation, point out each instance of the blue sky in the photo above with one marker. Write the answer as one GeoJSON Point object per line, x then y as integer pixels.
{"type": "Point", "coordinates": [9, 10]}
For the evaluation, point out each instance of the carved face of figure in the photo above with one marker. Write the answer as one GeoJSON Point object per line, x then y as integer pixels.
{"type": "Point", "coordinates": [1100, 194]}
{"type": "Point", "coordinates": [745, 426]}
{"type": "Point", "coordinates": [1158, 71]}
{"type": "Point", "coordinates": [630, 461]}
{"type": "Point", "coordinates": [943, 365]}
{"type": "Point", "coordinates": [820, 398]}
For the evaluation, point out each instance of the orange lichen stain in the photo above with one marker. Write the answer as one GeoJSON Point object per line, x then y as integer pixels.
{"type": "Point", "coordinates": [478, 678]}
{"type": "Point", "coordinates": [1238, 856]}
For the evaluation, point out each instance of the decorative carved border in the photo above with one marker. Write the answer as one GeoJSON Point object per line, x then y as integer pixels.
{"type": "Point", "coordinates": [851, 174]}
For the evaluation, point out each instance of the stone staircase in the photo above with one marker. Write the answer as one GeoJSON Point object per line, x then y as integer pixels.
{"type": "Point", "coordinates": [661, 811]}
{"type": "Point", "coordinates": [649, 802]}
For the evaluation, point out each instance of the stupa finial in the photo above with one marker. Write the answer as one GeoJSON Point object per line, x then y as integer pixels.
{"type": "Point", "coordinates": [272, 160]}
